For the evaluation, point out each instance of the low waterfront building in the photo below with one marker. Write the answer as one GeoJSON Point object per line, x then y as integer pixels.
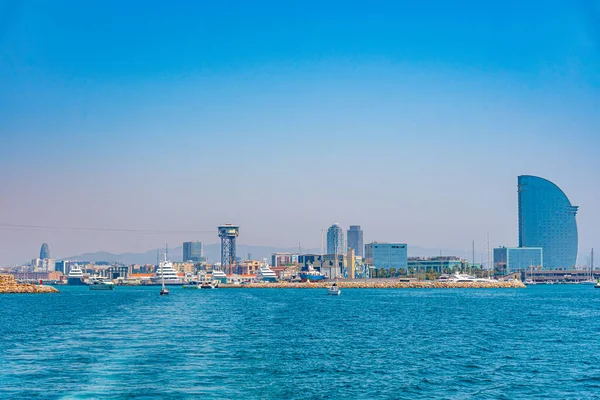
{"type": "Point", "coordinates": [185, 267]}
{"type": "Point", "coordinates": [439, 264]}
{"type": "Point", "coordinates": [284, 259]}
{"type": "Point", "coordinates": [558, 275]}
{"type": "Point", "coordinates": [512, 259]}
{"type": "Point", "coordinates": [118, 271]}
{"type": "Point", "coordinates": [334, 269]}
{"type": "Point", "coordinates": [37, 276]}
{"type": "Point", "coordinates": [43, 264]}
{"type": "Point", "coordinates": [387, 255]}
{"type": "Point", "coordinates": [62, 266]}
{"type": "Point", "coordinates": [249, 267]}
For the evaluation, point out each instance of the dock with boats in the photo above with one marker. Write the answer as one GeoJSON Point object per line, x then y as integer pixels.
{"type": "Point", "coordinates": [383, 284]}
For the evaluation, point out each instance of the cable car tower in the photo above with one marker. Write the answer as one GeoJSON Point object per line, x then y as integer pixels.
{"type": "Point", "coordinates": [228, 234]}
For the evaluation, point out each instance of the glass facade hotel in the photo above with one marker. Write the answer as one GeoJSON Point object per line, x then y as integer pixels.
{"type": "Point", "coordinates": [547, 220]}
{"type": "Point", "coordinates": [387, 255]}
{"type": "Point", "coordinates": [515, 259]}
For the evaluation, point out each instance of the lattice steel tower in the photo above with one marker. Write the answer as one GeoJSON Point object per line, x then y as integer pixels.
{"type": "Point", "coordinates": [228, 233]}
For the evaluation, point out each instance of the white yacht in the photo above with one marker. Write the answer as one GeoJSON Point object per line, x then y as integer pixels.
{"type": "Point", "coordinates": [75, 276]}
{"type": "Point", "coordinates": [266, 274]}
{"type": "Point", "coordinates": [165, 269]}
{"type": "Point", "coordinates": [100, 283]}
{"type": "Point", "coordinates": [219, 276]}
{"type": "Point", "coordinates": [458, 277]}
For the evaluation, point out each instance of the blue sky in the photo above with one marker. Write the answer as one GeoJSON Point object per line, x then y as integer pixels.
{"type": "Point", "coordinates": [412, 120]}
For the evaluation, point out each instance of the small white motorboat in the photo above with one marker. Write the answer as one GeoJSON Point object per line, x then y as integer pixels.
{"type": "Point", "coordinates": [334, 290]}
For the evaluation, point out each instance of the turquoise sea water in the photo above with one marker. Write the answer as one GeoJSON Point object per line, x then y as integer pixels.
{"type": "Point", "coordinates": [539, 342]}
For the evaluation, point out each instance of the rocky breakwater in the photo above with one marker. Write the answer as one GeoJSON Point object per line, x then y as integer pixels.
{"type": "Point", "coordinates": [387, 284]}
{"type": "Point", "coordinates": [9, 285]}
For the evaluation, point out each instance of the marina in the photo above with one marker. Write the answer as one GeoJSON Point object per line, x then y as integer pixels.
{"type": "Point", "coordinates": [383, 284]}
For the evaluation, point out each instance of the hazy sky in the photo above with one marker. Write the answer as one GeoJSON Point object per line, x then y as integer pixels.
{"type": "Point", "coordinates": [412, 119]}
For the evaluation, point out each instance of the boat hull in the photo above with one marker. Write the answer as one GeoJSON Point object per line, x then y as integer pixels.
{"type": "Point", "coordinates": [311, 277]}
{"type": "Point", "coordinates": [75, 282]}
{"type": "Point", "coordinates": [101, 287]}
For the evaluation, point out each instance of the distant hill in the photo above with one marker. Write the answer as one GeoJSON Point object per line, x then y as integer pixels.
{"type": "Point", "coordinates": [213, 253]}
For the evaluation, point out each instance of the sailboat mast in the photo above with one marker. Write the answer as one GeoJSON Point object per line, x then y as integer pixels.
{"type": "Point", "coordinates": [473, 259]}
{"type": "Point", "coordinates": [592, 266]}
{"type": "Point", "coordinates": [490, 262]}
{"type": "Point", "coordinates": [335, 256]}
{"type": "Point", "coordinates": [162, 267]}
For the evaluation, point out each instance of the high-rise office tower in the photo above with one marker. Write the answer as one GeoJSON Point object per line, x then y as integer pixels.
{"type": "Point", "coordinates": [336, 241]}
{"type": "Point", "coordinates": [547, 220]}
{"type": "Point", "coordinates": [44, 251]}
{"type": "Point", "coordinates": [355, 240]}
{"type": "Point", "coordinates": [193, 251]}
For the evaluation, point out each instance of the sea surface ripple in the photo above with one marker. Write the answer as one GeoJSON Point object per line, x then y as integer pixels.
{"type": "Point", "coordinates": [131, 343]}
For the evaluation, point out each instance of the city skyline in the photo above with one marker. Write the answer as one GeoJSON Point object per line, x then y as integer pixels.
{"type": "Point", "coordinates": [401, 117]}
{"type": "Point", "coordinates": [481, 254]}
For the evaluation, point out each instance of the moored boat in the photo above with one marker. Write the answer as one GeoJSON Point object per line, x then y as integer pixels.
{"type": "Point", "coordinates": [75, 276]}
{"type": "Point", "coordinates": [208, 283]}
{"type": "Point", "coordinates": [219, 276]}
{"type": "Point", "coordinates": [311, 274]}
{"type": "Point", "coordinates": [166, 274]}
{"type": "Point", "coordinates": [191, 285]}
{"type": "Point", "coordinates": [100, 283]}
{"type": "Point", "coordinates": [266, 274]}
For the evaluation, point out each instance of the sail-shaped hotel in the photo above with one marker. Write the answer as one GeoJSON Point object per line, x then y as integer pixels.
{"type": "Point", "coordinates": [547, 220]}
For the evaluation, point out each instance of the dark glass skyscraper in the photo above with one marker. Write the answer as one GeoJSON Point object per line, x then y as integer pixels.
{"type": "Point", "coordinates": [355, 240]}
{"type": "Point", "coordinates": [44, 251]}
{"type": "Point", "coordinates": [547, 220]}
{"type": "Point", "coordinates": [192, 251]}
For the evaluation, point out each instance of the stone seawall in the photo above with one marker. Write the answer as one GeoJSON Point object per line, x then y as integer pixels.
{"type": "Point", "coordinates": [384, 285]}
{"type": "Point", "coordinates": [9, 285]}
